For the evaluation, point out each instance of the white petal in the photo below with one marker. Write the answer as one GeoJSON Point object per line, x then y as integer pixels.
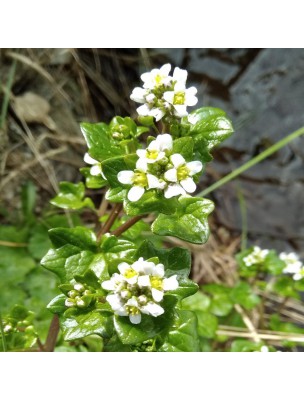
{"type": "Point", "coordinates": [126, 177]}
{"type": "Point", "coordinates": [145, 76]}
{"type": "Point", "coordinates": [150, 97]}
{"type": "Point", "coordinates": [297, 277]}
{"type": "Point", "coordinates": [170, 283]}
{"type": "Point", "coordinates": [165, 69]}
{"type": "Point", "coordinates": [191, 91]}
{"type": "Point", "coordinates": [191, 100]}
{"type": "Point", "coordinates": [135, 319]}
{"type": "Point", "coordinates": [169, 96]}
{"type": "Point", "coordinates": [138, 95]}
{"type": "Point", "coordinates": [89, 160]}
{"type": "Point", "coordinates": [180, 87]}
{"type": "Point", "coordinates": [143, 110]}
{"type": "Point", "coordinates": [152, 309]}
{"type": "Point", "coordinates": [138, 265]}
{"type": "Point", "coordinates": [123, 267]}
{"type": "Point", "coordinates": [135, 193]}
{"type": "Point", "coordinates": [188, 184]}
{"type": "Point", "coordinates": [108, 285]}
{"type": "Point", "coordinates": [159, 270]}
{"type": "Point", "coordinates": [148, 268]}
{"type": "Point", "coordinates": [165, 142]}
{"type": "Point", "coordinates": [177, 160]}
{"type": "Point", "coordinates": [171, 175]}
{"type": "Point", "coordinates": [157, 295]}
{"type": "Point", "coordinates": [144, 280]}
{"type": "Point", "coordinates": [180, 110]}
{"type": "Point", "coordinates": [141, 153]}
{"type": "Point", "coordinates": [115, 301]}
{"type": "Point", "coordinates": [157, 113]}
{"type": "Point", "coordinates": [153, 182]}
{"type": "Point", "coordinates": [132, 302]}
{"type": "Point", "coordinates": [142, 165]}
{"type": "Point", "coordinates": [132, 280]}
{"type": "Point", "coordinates": [180, 75]}
{"type": "Point", "coordinates": [122, 312]}
{"type": "Point", "coordinates": [174, 190]}
{"type": "Point", "coordinates": [194, 167]}
{"type": "Point", "coordinates": [95, 170]}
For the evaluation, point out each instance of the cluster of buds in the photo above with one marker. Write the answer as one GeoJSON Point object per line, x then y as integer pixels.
{"type": "Point", "coordinates": [163, 94]}
{"type": "Point", "coordinates": [138, 289]}
{"type": "Point", "coordinates": [79, 296]}
{"type": "Point", "coordinates": [257, 256]}
{"type": "Point", "coordinates": [293, 265]}
{"type": "Point", "coordinates": [158, 168]}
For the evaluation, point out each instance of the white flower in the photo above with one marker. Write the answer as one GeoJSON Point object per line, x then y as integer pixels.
{"type": "Point", "coordinates": [139, 95]}
{"type": "Point", "coordinates": [140, 181]}
{"type": "Point", "coordinates": [180, 75]}
{"type": "Point", "coordinates": [96, 169]}
{"type": "Point", "coordinates": [293, 264]}
{"type": "Point", "coordinates": [257, 256]}
{"type": "Point", "coordinates": [181, 176]}
{"type": "Point", "coordinates": [180, 98]}
{"type": "Point", "coordinates": [156, 150]}
{"type": "Point", "coordinates": [138, 289]}
{"type": "Point", "coordinates": [157, 77]}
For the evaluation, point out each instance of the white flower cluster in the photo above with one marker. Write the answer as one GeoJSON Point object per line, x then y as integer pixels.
{"type": "Point", "coordinates": [95, 170]}
{"type": "Point", "coordinates": [163, 94]}
{"type": "Point", "coordinates": [138, 289]}
{"type": "Point", "coordinates": [158, 168]}
{"type": "Point", "coordinates": [293, 265]}
{"type": "Point", "coordinates": [257, 256]}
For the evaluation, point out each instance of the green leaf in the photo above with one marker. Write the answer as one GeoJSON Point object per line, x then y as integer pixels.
{"type": "Point", "coordinates": [273, 264]}
{"type": "Point", "coordinates": [115, 345]}
{"type": "Point", "coordinates": [101, 145]}
{"type": "Point", "coordinates": [184, 146]}
{"type": "Point", "coordinates": [147, 122]}
{"type": "Point", "coordinates": [183, 336]}
{"type": "Point", "coordinates": [73, 253]}
{"type": "Point", "coordinates": [93, 181]}
{"type": "Point", "coordinates": [117, 194]}
{"type": "Point", "coordinates": [284, 286]}
{"type": "Point", "coordinates": [71, 196]}
{"type": "Point", "coordinates": [113, 166]}
{"type": "Point", "coordinates": [221, 305]}
{"type": "Point", "coordinates": [150, 202]}
{"type": "Point", "coordinates": [28, 199]}
{"type": "Point", "coordinates": [189, 221]}
{"type": "Point", "coordinates": [243, 295]}
{"type": "Point", "coordinates": [82, 325]}
{"type": "Point", "coordinates": [211, 128]}
{"type": "Point", "coordinates": [80, 236]}
{"type": "Point", "coordinates": [241, 345]}
{"type": "Point", "coordinates": [115, 251]}
{"type": "Point", "coordinates": [197, 302]}
{"type": "Point", "coordinates": [186, 287]}
{"type": "Point", "coordinates": [19, 312]}
{"type": "Point", "coordinates": [207, 324]}
{"type": "Point", "coordinates": [149, 326]}
{"type": "Point", "coordinates": [39, 241]}
{"type": "Point", "coordinates": [57, 305]}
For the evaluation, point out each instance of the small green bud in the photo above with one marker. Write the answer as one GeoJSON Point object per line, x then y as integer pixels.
{"type": "Point", "coordinates": [7, 328]}
{"type": "Point", "coordinates": [72, 293]}
{"type": "Point", "coordinates": [80, 303]}
{"type": "Point", "coordinates": [164, 161]}
{"type": "Point", "coordinates": [87, 292]}
{"type": "Point", "coordinates": [79, 287]}
{"type": "Point", "coordinates": [69, 302]}
{"type": "Point", "coordinates": [29, 329]}
{"type": "Point", "coordinates": [126, 294]}
{"type": "Point", "coordinates": [142, 299]}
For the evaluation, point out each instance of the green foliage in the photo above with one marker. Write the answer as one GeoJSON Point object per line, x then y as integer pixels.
{"type": "Point", "coordinates": [93, 181]}
{"type": "Point", "coordinates": [189, 222]}
{"type": "Point", "coordinates": [71, 196]}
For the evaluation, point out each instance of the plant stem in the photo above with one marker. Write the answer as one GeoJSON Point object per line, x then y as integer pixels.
{"type": "Point", "coordinates": [52, 335]}
{"type": "Point", "coordinates": [122, 228]}
{"type": "Point", "coordinates": [40, 345]}
{"type": "Point", "coordinates": [110, 221]}
{"type": "Point", "coordinates": [268, 152]}
{"type": "Point", "coordinates": [2, 334]}
{"type": "Point", "coordinates": [243, 211]}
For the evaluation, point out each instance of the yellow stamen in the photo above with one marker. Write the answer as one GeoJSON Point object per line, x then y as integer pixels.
{"type": "Point", "coordinates": [140, 179]}
{"type": "Point", "coordinates": [179, 98]}
{"type": "Point", "coordinates": [129, 273]}
{"type": "Point", "coordinates": [182, 172]}
{"type": "Point", "coordinates": [156, 282]}
{"type": "Point", "coordinates": [152, 154]}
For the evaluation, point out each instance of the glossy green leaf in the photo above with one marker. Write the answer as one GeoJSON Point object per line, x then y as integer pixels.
{"type": "Point", "coordinates": [189, 221]}
{"type": "Point", "coordinates": [241, 345]}
{"type": "Point", "coordinates": [113, 166]}
{"type": "Point", "coordinates": [149, 326]}
{"type": "Point", "coordinates": [197, 302]}
{"type": "Point", "coordinates": [115, 345]}
{"type": "Point", "coordinates": [183, 335]}
{"type": "Point", "coordinates": [82, 325]}
{"type": "Point", "coordinates": [79, 236]}
{"type": "Point", "coordinates": [221, 305]}
{"type": "Point", "coordinates": [207, 324]}
{"type": "Point", "coordinates": [285, 286]}
{"type": "Point", "coordinates": [101, 145]}
{"type": "Point", "coordinates": [93, 181]}
{"type": "Point", "coordinates": [71, 196]}
{"type": "Point", "coordinates": [57, 305]}
{"type": "Point", "coordinates": [184, 146]}
{"type": "Point", "coordinates": [186, 287]}
{"type": "Point", "coordinates": [147, 121]}
{"type": "Point", "coordinates": [151, 202]}
{"type": "Point", "coordinates": [117, 194]}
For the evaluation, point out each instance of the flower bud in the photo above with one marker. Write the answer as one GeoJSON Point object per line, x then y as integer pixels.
{"type": "Point", "coordinates": [80, 303]}
{"type": "Point", "coordinates": [126, 294]}
{"type": "Point", "coordinates": [69, 302]}
{"type": "Point", "coordinates": [72, 293]}
{"type": "Point", "coordinates": [142, 299]}
{"type": "Point", "coordinates": [79, 287]}
{"type": "Point", "coordinates": [87, 292]}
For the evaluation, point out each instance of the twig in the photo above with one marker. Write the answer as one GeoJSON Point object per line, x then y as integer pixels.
{"type": "Point", "coordinates": [40, 345]}
{"type": "Point", "coordinates": [276, 336]}
{"type": "Point", "coordinates": [248, 323]}
{"type": "Point", "coordinates": [110, 221]}
{"type": "Point", "coordinates": [52, 335]}
{"type": "Point", "coordinates": [12, 244]}
{"type": "Point", "coordinates": [124, 227]}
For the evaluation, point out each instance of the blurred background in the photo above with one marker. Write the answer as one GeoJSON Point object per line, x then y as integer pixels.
{"type": "Point", "coordinates": [46, 93]}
